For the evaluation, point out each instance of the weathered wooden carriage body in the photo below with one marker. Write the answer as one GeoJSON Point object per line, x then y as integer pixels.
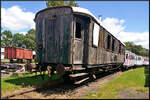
{"type": "Point", "coordinates": [73, 36]}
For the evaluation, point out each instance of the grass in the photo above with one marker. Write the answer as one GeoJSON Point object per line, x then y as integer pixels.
{"type": "Point", "coordinates": [15, 61]}
{"type": "Point", "coordinates": [141, 90]}
{"type": "Point", "coordinates": [15, 82]}
{"type": "Point", "coordinates": [4, 61]}
{"type": "Point", "coordinates": [134, 79]}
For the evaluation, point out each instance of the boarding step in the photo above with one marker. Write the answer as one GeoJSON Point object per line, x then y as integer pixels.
{"type": "Point", "coordinates": [77, 75]}
{"type": "Point", "coordinates": [80, 68]}
{"type": "Point", "coordinates": [78, 82]}
{"type": "Point", "coordinates": [34, 70]}
{"type": "Point", "coordinates": [4, 72]}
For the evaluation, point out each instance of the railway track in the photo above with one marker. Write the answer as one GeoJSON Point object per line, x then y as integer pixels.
{"type": "Point", "coordinates": [39, 87]}
{"type": "Point", "coordinates": [61, 87]}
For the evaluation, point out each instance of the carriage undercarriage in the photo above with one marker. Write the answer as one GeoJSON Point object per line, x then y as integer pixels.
{"type": "Point", "coordinates": [77, 72]}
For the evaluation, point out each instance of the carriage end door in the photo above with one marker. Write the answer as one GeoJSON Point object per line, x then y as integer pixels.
{"type": "Point", "coordinates": [78, 41]}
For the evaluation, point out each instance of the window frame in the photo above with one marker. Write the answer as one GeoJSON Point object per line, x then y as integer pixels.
{"type": "Point", "coordinates": [80, 30]}
{"type": "Point", "coordinates": [127, 56]}
{"type": "Point", "coordinates": [119, 51]}
{"type": "Point", "coordinates": [98, 32]}
{"type": "Point", "coordinates": [113, 45]}
{"type": "Point", "coordinates": [108, 42]}
{"type": "Point", "coordinates": [78, 20]}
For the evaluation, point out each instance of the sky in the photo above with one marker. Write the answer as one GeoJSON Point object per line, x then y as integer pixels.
{"type": "Point", "coordinates": [127, 20]}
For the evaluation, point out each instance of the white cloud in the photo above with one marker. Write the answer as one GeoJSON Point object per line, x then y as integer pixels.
{"type": "Point", "coordinates": [113, 25]}
{"type": "Point", "coordinates": [24, 33]}
{"type": "Point", "coordinates": [16, 19]}
{"type": "Point", "coordinates": [139, 38]}
{"type": "Point", "coordinates": [116, 27]}
{"type": "Point", "coordinates": [122, 21]}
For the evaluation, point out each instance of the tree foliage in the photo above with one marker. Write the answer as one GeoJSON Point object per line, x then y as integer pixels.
{"type": "Point", "coordinates": [72, 3]}
{"type": "Point", "coordinates": [61, 3]}
{"type": "Point", "coordinates": [19, 40]}
{"type": "Point", "coordinates": [6, 38]}
{"type": "Point", "coordinates": [137, 49]}
{"type": "Point", "coordinates": [29, 40]}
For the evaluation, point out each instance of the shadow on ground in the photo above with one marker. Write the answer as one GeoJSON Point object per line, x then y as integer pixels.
{"type": "Point", "coordinates": [51, 86]}
{"type": "Point", "coordinates": [26, 81]}
{"type": "Point", "coordinates": [65, 88]}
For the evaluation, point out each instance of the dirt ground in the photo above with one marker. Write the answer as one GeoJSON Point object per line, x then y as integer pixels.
{"type": "Point", "coordinates": [65, 91]}
{"type": "Point", "coordinates": [72, 92]}
{"type": "Point", "coordinates": [132, 94]}
{"type": "Point", "coordinates": [5, 75]}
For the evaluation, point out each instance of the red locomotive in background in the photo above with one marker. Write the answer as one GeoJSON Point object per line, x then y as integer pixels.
{"type": "Point", "coordinates": [18, 53]}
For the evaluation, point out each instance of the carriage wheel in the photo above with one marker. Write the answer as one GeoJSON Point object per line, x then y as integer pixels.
{"type": "Point", "coordinates": [11, 60]}
{"type": "Point", "coordinates": [60, 69]}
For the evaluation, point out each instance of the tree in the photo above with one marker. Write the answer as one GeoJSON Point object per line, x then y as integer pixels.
{"type": "Point", "coordinates": [29, 43]}
{"type": "Point", "coordinates": [18, 40]}
{"type": "Point", "coordinates": [72, 3]}
{"type": "Point", "coordinates": [61, 3]}
{"type": "Point", "coordinates": [54, 3]}
{"type": "Point", "coordinates": [31, 31]}
{"type": "Point", "coordinates": [129, 45]}
{"type": "Point", "coordinates": [137, 49]}
{"type": "Point", "coordinates": [6, 38]}
{"type": "Point", "coordinates": [29, 39]}
{"type": "Point", "coordinates": [31, 34]}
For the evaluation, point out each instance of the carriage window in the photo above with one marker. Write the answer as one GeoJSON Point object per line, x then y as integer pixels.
{"type": "Point", "coordinates": [108, 42]}
{"type": "Point", "coordinates": [113, 44]}
{"type": "Point", "coordinates": [119, 48]}
{"type": "Point", "coordinates": [123, 50]}
{"type": "Point", "coordinates": [139, 58]}
{"type": "Point", "coordinates": [131, 57]}
{"type": "Point", "coordinates": [126, 56]}
{"type": "Point", "coordinates": [95, 34]}
{"type": "Point", "coordinates": [2, 53]}
{"type": "Point", "coordinates": [78, 30]}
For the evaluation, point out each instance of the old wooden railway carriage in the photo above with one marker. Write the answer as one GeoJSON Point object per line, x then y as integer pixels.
{"type": "Point", "coordinates": [71, 38]}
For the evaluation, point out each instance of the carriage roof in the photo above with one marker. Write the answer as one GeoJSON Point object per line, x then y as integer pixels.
{"type": "Point", "coordinates": [85, 11]}
{"type": "Point", "coordinates": [78, 10]}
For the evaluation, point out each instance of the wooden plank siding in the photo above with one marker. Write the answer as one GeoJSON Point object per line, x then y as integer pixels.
{"type": "Point", "coordinates": [53, 28]}
{"type": "Point", "coordinates": [100, 54]}
{"type": "Point", "coordinates": [56, 32]}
